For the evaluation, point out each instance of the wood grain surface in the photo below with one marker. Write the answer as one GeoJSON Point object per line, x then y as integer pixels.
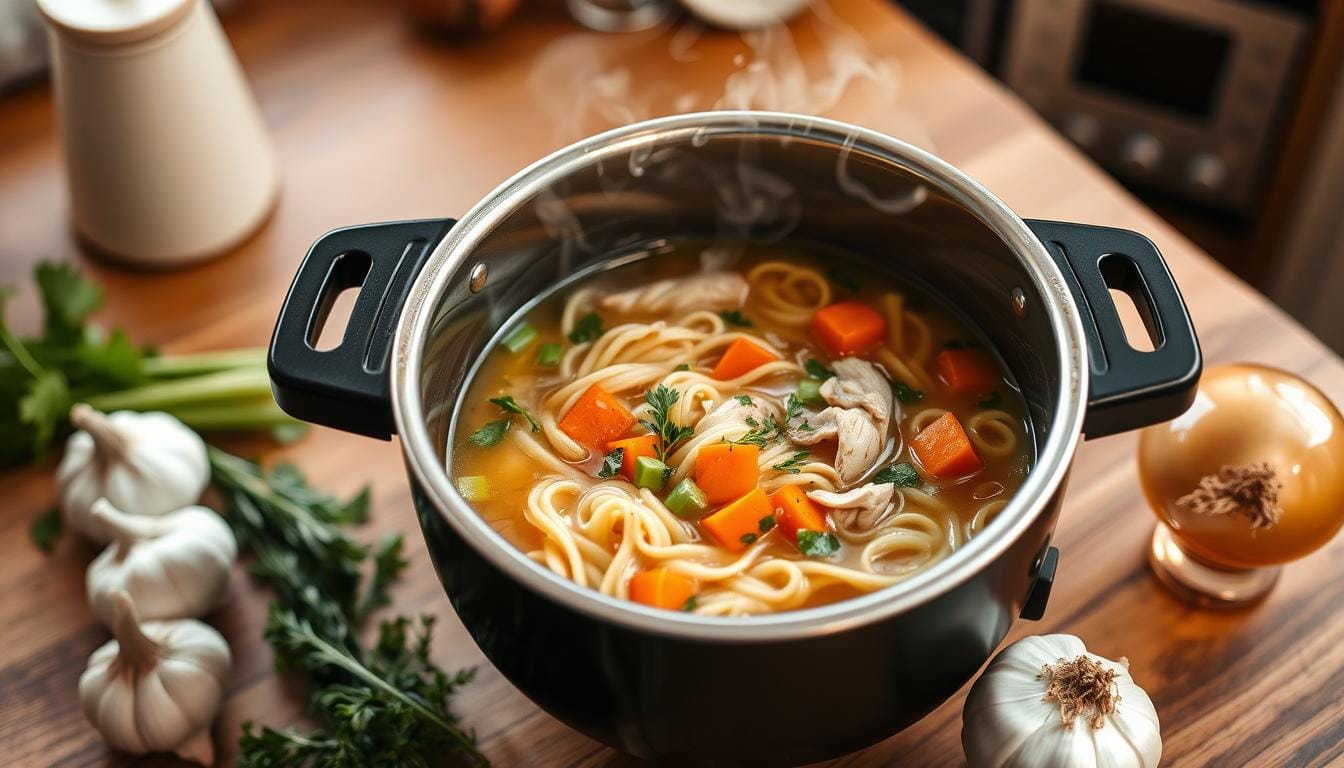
{"type": "Point", "coordinates": [373, 121]}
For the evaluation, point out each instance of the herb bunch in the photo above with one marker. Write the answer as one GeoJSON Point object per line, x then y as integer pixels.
{"type": "Point", "coordinates": [661, 399]}
{"type": "Point", "coordinates": [387, 704]}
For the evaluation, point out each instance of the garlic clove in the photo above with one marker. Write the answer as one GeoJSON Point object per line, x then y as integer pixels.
{"type": "Point", "coordinates": [198, 748]}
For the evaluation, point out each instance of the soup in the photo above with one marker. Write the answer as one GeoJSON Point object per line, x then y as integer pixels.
{"type": "Point", "coordinates": [783, 431]}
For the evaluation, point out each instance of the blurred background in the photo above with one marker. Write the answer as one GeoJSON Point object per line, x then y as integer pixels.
{"type": "Point", "coordinates": [1225, 116]}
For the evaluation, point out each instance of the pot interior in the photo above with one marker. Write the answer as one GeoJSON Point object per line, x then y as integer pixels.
{"type": "Point", "coordinates": [729, 178]}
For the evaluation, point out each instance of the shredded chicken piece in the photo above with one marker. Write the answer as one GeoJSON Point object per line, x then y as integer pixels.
{"type": "Point", "coordinates": [733, 410]}
{"type": "Point", "coordinates": [707, 290]}
{"type": "Point", "coordinates": [859, 509]}
{"type": "Point", "coordinates": [858, 443]}
{"type": "Point", "coordinates": [859, 384]}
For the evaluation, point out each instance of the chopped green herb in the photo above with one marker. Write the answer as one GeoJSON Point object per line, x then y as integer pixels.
{"type": "Point", "coordinates": [817, 543]}
{"type": "Point", "coordinates": [686, 499]}
{"type": "Point", "coordinates": [993, 401]}
{"type": "Point", "coordinates": [611, 464]}
{"type": "Point", "coordinates": [906, 393]}
{"type": "Point", "coordinates": [45, 530]}
{"type": "Point", "coordinates": [734, 317]}
{"type": "Point", "coordinates": [509, 405]}
{"type": "Point", "coordinates": [490, 434]}
{"type": "Point", "coordinates": [766, 524]}
{"type": "Point", "coordinates": [683, 367]}
{"type": "Point", "coordinates": [519, 338]}
{"type": "Point", "coordinates": [550, 354]}
{"type": "Point", "coordinates": [816, 370]}
{"type": "Point", "coordinates": [809, 391]}
{"type": "Point", "coordinates": [689, 605]}
{"type": "Point", "coordinates": [793, 408]}
{"type": "Point", "coordinates": [743, 399]}
{"type": "Point", "coordinates": [474, 488]}
{"type": "Point", "coordinates": [903, 474]}
{"type": "Point", "coordinates": [794, 464]}
{"type": "Point", "coordinates": [651, 473]}
{"type": "Point", "coordinates": [843, 279]}
{"type": "Point", "coordinates": [661, 399]}
{"type": "Point", "coordinates": [588, 328]}
{"type": "Point", "coordinates": [748, 538]}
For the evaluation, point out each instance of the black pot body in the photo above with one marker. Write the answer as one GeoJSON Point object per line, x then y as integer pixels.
{"type": "Point", "coordinates": [687, 701]}
{"type": "Point", "coordinates": [687, 689]}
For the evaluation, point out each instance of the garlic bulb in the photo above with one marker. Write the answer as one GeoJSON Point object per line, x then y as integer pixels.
{"type": "Point", "coordinates": [145, 463]}
{"type": "Point", "coordinates": [156, 687]}
{"type": "Point", "coordinates": [173, 567]}
{"type": "Point", "coordinates": [1045, 702]}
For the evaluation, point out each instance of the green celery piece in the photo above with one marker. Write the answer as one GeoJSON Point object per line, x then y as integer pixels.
{"type": "Point", "coordinates": [474, 487]}
{"type": "Point", "coordinates": [809, 391]}
{"type": "Point", "coordinates": [686, 499]}
{"type": "Point", "coordinates": [550, 354]}
{"type": "Point", "coordinates": [519, 338]}
{"type": "Point", "coordinates": [650, 473]}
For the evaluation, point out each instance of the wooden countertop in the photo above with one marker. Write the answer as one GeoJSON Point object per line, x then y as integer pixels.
{"type": "Point", "coordinates": [374, 122]}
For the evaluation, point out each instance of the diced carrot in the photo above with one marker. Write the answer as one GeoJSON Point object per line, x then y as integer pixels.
{"type": "Point", "coordinates": [662, 588]}
{"type": "Point", "coordinates": [795, 512]}
{"type": "Point", "coordinates": [635, 447]}
{"type": "Point", "coordinates": [742, 356]}
{"type": "Point", "coordinates": [944, 450]}
{"type": "Point", "coordinates": [848, 328]}
{"type": "Point", "coordinates": [725, 471]}
{"type": "Point", "coordinates": [739, 524]}
{"type": "Point", "coordinates": [596, 419]}
{"type": "Point", "coordinates": [967, 371]}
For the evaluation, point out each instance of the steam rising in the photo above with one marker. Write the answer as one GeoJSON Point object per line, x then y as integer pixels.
{"type": "Point", "coordinates": [588, 82]}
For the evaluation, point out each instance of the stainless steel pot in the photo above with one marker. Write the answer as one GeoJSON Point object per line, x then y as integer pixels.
{"type": "Point", "coordinates": [780, 689]}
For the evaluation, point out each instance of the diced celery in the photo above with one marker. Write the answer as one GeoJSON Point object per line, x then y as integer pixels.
{"type": "Point", "coordinates": [809, 391]}
{"type": "Point", "coordinates": [550, 354]}
{"type": "Point", "coordinates": [686, 499]}
{"type": "Point", "coordinates": [474, 487]}
{"type": "Point", "coordinates": [519, 338]}
{"type": "Point", "coordinates": [650, 473]}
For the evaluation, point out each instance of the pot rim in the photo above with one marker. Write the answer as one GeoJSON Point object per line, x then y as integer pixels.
{"type": "Point", "coordinates": [453, 252]}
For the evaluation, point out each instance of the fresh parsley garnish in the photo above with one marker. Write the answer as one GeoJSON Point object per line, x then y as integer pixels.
{"type": "Point", "coordinates": [689, 605]}
{"type": "Point", "coordinates": [490, 434]}
{"type": "Point", "coordinates": [993, 401]}
{"type": "Point", "coordinates": [734, 317]}
{"type": "Point", "coordinates": [748, 538]}
{"type": "Point", "coordinates": [743, 399]}
{"type": "Point", "coordinates": [588, 328]}
{"type": "Point", "coordinates": [683, 367]}
{"type": "Point", "coordinates": [906, 393]}
{"type": "Point", "coordinates": [766, 524]}
{"type": "Point", "coordinates": [843, 279]}
{"type": "Point", "coordinates": [816, 370]}
{"type": "Point", "coordinates": [661, 399]}
{"type": "Point", "coordinates": [817, 543]}
{"type": "Point", "coordinates": [903, 474]}
{"type": "Point", "coordinates": [794, 464]}
{"type": "Point", "coordinates": [611, 464]}
{"type": "Point", "coordinates": [509, 405]}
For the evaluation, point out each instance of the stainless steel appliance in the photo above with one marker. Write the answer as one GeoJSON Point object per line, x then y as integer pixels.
{"type": "Point", "coordinates": [1177, 95]}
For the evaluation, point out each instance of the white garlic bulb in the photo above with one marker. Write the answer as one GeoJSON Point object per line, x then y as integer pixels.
{"type": "Point", "coordinates": [156, 687]}
{"type": "Point", "coordinates": [1045, 702]}
{"type": "Point", "coordinates": [173, 567]}
{"type": "Point", "coordinates": [145, 463]}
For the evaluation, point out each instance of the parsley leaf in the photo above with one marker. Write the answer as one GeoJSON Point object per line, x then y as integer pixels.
{"type": "Point", "coordinates": [794, 464]}
{"type": "Point", "coordinates": [748, 538]}
{"type": "Point", "coordinates": [689, 605]}
{"type": "Point", "coordinates": [903, 474]}
{"type": "Point", "coordinates": [509, 405]}
{"type": "Point", "coordinates": [611, 464]}
{"type": "Point", "coordinates": [683, 367]}
{"type": "Point", "coordinates": [45, 530]}
{"type": "Point", "coordinates": [45, 406]}
{"type": "Point", "coordinates": [588, 328]}
{"type": "Point", "coordinates": [661, 399]}
{"type": "Point", "coordinates": [766, 524]}
{"type": "Point", "coordinates": [905, 393]}
{"type": "Point", "coordinates": [817, 543]}
{"type": "Point", "coordinates": [743, 399]}
{"type": "Point", "coordinates": [816, 370]}
{"type": "Point", "coordinates": [490, 434]}
{"type": "Point", "coordinates": [734, 317]}
{"type": "Point", "coordinates": [67, 300]}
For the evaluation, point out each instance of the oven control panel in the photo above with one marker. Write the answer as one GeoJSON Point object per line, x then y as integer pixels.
{"type": "Point", "coordinates": [1180, 95]}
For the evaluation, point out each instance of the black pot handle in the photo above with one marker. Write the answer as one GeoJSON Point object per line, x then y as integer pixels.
{"type": "Point", "coordinates": [1130, 389]}
{"type": "Point", "coordinates": [347, 387]}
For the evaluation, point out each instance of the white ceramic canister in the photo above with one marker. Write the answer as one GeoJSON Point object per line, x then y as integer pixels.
{"type": "Point", "coordinates": [167, 156]}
